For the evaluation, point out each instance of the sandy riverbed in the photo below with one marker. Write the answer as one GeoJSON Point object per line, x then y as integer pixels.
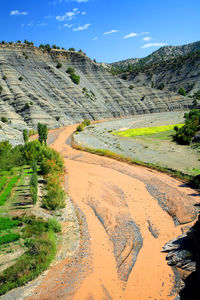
{"type": "Point", "coordinates": [124, 228]}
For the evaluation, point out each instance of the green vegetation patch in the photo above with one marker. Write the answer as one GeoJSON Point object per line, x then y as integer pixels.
{"type": "Point", "coordinates": [40, 241]}
{"type": "Point", "coordinates": [146, 130]}
{"type": "Point", "coordinates": [8, 238]}
{"type": "Point", "coordinates": [8, 189]}
{"type": "Point", "coordinates": [3, 182]}
{"type": "Point", "coordinates": [7, 223]}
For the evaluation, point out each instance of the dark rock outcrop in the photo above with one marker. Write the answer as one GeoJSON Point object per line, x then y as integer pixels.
{"type": "Point", "coordinates": [184, 254]}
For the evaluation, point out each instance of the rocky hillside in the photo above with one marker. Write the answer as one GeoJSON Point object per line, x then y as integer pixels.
{"type": "Point", "coordinates": [37, 88]}
{"type": "Point", "coordinates": [180, 72]}
{"type": "Point", "coordinates": [162, 54]}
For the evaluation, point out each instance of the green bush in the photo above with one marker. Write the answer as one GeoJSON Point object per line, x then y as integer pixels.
{"type": "Point", "coordinates": [54, 225]}
{"type": "Point", "coordinates": [25, 135]}
{"type": "Point", "coordinates": [21, 78]}
{"type": "Point", "coordinates": [8, 189]}
{"type": "Point", "coordinates": [3, 182]}
{"type": "Point", "coordinates": [7, 223]}
{"type": "Point", "coordinates": [185, 134]}
{"type": "Point", "coordinates": [55, 195]}
{"type": "Point", "coordinates": [75, 78]}
{"type": "Point", "coordinates": [71, 49]}
{"type": "Point", "coordinates": [182, 92]}
{"type": "Point", "coordinates": [11, 157]}
{"type": "Point", "coordinates": [42, 133]}
{"type": "Point", "coordinates": [195, 182]}
{"type": "Point", "coordinates": [59, 65]}
{"type": "Point", "coordinates": [80, 128]}
{"type": "Point", "coordinates": [4, 119]}
{"type": "Point", "coordinates": [8, 238]}
{"type": "Point", "coordinates": [41, 244]}
{"type": "Point", "coordinates": [161, 86]}
{"type": "Point", "coordinates": [70, 70]}
{"type": "Point", "coordinates": [87, 122]}
{"type": "Point", "coordinates": [34, 187]}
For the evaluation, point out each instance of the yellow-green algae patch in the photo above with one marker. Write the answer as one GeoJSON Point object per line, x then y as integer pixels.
{"type": "Point", "coordinates": [146, 130]}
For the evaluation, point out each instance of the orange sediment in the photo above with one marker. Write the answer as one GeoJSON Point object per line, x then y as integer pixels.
{"type": "Point", "coordinates": [108, 192]}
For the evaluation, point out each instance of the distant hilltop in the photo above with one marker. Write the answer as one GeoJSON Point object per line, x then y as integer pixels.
{"type": "Point", "coordinates": [164, 53]}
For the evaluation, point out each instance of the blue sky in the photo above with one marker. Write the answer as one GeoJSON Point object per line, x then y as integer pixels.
{"type": "Point", "coordinates": [107, 30]}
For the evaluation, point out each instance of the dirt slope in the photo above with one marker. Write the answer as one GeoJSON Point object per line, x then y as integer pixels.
{"type": "Point", "coordinates": [123, 230]}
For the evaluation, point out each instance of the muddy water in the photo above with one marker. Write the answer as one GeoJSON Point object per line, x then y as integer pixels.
{"type": "Point", "coordinates": [125, 228]}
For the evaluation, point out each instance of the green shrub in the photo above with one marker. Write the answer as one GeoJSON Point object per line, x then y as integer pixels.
{"type": "Point", "coordinates": [80, 128]}
{"type": "Point", "coordinates": [8, 238]}
{"type": "Point", "coordinates": [3, 182]}
{"type": "Point", "coordinates": [176, 128]}
{"type": "Point", "coordinates": [55, 196]}
{"type": "Point", "coordinates": [182, 92]}
{"type": "Point", "coordinates": [87, 122]}
{"type": "Point", "coordinates": [4, 119]}
{"type": "Point", "coordinates": [42, 133]}
{"type": "Point", "coordinates": [71, 49]}
{"type": "Point", "coordinates": [50, 161]}
{"type": "Point", "coordinates": [8, 189]}
{"type": "Point", "coordinates": [75, 78]}
{"type": "Point", "coordinates": [131, 87]}
{"type": "Point", "coordinates": [7, 223]}
{"type": "Point", "coordinates": [59, 65]}
{"type": "Point", "coordinates": [4, 77]}
{"type": "Point", "coordinates": [195, 182]}
{"type": "Point", "coordinates": [34, 187]}
{"type": "Point", "coordinates": [11, 156]}
{"type": "Point", "coordinates": [70, 70]}
{"type": "Point", "coordinates": [25, 135]}
{"type": "Point", "coordinates": [185, 134]}
{"type": "Point", "coordinates": [21, 78]}
{"type": "Point", "coordinates": [161, 86]}
{"type": "Point", "coordinates": [41, 244]}
{"type": "Point", "coordinates": [54, 225]}
{"type": "Point", "coordinates": [1, 89]}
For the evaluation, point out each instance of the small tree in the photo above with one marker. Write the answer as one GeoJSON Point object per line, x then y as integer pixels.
{"type": "Point", "coordinates": [59, 65]}
{"type": "Point", "coordinates": [42, 133]}
{"type": "Point", "coordinates": [182, 92]}
{"type": "Point", "coordinates": [1, 89]}
{"type": "Point", "coordinates": [161, 86]}
{"type": "Point", "coordinates": [25, 135]}
{"type": "Point", "coordinates": [71, 49]}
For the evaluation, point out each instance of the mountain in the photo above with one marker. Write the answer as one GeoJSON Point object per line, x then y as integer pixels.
{"type": "Point", "coordinates": [37, 88]}
{"type": "Point", "coordinates": [162, 54]}
{"type": "Point", "coordinates": [179, 72]}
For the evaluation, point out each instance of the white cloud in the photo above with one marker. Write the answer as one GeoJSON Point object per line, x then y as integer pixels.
{"type": "Point", "coordinates": [18, 13]}
{"type": "Point", "coordinates": [111, 31]}
{"type": "Point", "coordinates": [95, 38]}
{"type": "Point", "coordinates": [153, 45]}
{"type": "Point", "coordinates": [68, 15]}
{"type": "Point", "coordinates": [80, 28]}
{"type": "Point", "coordinates": [130, 35]}
{"type": "Point", "coordinates": [147, 38]}
{"type": "Point", "coordinates": [83, 13]}
{"type": "Point", "coordinates": [68, 25]}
